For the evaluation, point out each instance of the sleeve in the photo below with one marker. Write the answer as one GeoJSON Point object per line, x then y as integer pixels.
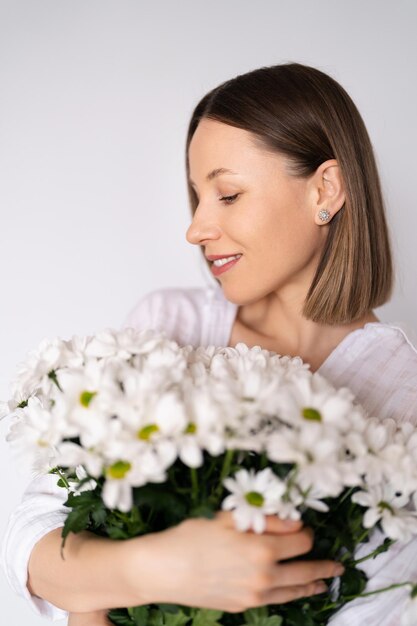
{"type": "Point", "coordinates": [397, 565]}
{"type": "Point", "coordinates": [40, 511]}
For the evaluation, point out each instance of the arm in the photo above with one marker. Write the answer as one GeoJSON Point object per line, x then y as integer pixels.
{"type": "Point", "coordinates": [199, 562]}
{"type": "Point", "coordinates": [96, 572]}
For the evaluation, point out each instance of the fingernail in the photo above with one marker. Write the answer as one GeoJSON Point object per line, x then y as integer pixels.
{"type": "Point", "coordinates": [321, 588]}
{"type": "Point", "coordinates": [339, 569]}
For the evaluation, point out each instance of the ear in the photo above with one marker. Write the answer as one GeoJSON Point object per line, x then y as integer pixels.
{"type": "Point", "coordinates": [328, 191]}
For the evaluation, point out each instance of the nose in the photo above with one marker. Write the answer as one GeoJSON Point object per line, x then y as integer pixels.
{"type": "Point", "coordinates": [201, 230]}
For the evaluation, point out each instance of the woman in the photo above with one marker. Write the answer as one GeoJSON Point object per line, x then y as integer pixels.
{"type": "Point", "coordinates": [281, 176]}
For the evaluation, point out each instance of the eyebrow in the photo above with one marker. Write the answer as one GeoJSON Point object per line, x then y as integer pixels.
{"type": "Point", "coordinates": [214, 173]}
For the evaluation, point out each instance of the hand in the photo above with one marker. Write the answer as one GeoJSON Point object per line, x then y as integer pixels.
{"type": "Point", "coordinates": [208, 563]}
{"type": "Point", "coordinates": [95, 618]}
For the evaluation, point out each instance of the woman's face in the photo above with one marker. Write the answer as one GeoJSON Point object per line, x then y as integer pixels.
{"type": "Point", "coordinates": [270, 221]}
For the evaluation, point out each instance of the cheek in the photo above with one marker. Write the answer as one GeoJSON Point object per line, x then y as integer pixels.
{"type": "Point", "coordinates": [284, 239]}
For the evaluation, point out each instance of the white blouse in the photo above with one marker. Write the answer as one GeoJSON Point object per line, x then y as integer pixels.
{"type": "Point", "coordinates": [377, 362]}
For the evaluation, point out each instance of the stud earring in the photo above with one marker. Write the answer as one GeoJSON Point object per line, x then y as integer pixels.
{"type": "Point", "coordinates": [324, 215]}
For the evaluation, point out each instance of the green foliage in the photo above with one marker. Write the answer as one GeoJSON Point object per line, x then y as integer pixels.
{"type": "Point", "coordinates": [198, 493]}
{"type": "Point", "coordinates": [206, 617]}
{"type": "Point", "coordinates": [259, 617]}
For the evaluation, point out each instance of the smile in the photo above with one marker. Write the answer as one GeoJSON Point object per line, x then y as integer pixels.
{"type": "Point", "coordinates": [216, 270]}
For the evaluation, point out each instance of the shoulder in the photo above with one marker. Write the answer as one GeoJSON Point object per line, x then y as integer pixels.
{"type": "Point", "coordinates": [389, 365]}
{"type": "Point", "coordinates": [176, 310]}
{"type": "Point", "coordinates": [379, 364]}
{"type": "Point", "coordinates": [396, 342]}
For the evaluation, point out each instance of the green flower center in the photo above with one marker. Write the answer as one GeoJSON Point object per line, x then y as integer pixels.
{"type": "Point", "coordinates": [118, 470]}
{"type": "Point", "coordinates": [254, 498]}
{"type": "Point", "coordinates": [311, 414]}
{"type": "Point", "coordinates": [191, 429]}
{"type": "Point", "coordinates": [146, 432]}
{"type": "Point", "coordinates": [384, 505]}
{"type": "Point", "coordinates": [86, 397]}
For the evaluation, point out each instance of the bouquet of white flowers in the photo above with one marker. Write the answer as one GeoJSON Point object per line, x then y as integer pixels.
{"type": "Point", "coordinates": [144, 433]}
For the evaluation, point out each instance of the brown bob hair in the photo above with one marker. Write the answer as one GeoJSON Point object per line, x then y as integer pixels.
{"type": "Point", "coordinates": [302, 113]}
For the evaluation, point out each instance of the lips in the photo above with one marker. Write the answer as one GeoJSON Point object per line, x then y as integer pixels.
{"type": "Point", "coordinates": [214, 257]}
{"type": "Point", "coordinates": [225, 267]}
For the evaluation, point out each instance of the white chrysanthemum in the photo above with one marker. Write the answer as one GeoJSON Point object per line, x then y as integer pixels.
{"type": "Point", "coordinates": [254, 495]}
{"type": "Point", "coordinates": [124, 343]}
{"type": "Point", "coordinates": [72, 455]}
{"type": "Point", "coordinates": [386, 504]}
{"type": "Point", "coordinates": [205, 429]}
{"type": "Point", "coordinates": [88, 485]}
{"type": "Point", "coordinates": [49, 355]}
{"type": "Point", "coordinates": [75, 355]}
{"type": "Point", "coordinates": [313, 398]}
{"type": "Point", "coordinates": [35, 432]}
{"type": "Point", "coordinates": [147, 467]}
{"type": "Point", "coordinates": [82, 403]}
{"type": "Point", "coordinates": [314, 450]}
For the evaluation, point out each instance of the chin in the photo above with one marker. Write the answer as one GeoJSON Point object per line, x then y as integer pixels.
{"type": "Point", "coordinates": [238, 295]}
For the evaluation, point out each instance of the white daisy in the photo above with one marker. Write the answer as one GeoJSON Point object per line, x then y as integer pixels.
{"type": "Point", "coordinates": [254, 495]}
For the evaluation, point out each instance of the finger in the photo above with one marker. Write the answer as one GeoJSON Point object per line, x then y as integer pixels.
{"type": "Point", "coordinates": [279, 526]}
{"type": "Point", "coordinates": [290, 545]}
{"type": "Point", "coordinates": [273, 524]}
{"type": "Point", "coordinates": [304, 572]}
{"type": "Point", "coordinates": [287, 594]}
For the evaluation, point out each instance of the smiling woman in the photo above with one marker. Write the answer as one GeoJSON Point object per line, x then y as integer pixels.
{"type": "Point", "coordinates": [287, 209]}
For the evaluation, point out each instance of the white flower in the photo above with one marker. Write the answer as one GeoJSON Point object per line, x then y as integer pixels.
{"type": "Point", "coordinates": [48, 356]}
{"type": "Point", "coordinates": [75, 355]}
{"type": "Point", "coordinates": [71, 455]}
{"type": "Point", "coordinates": [253, 497]}
{"type": "Point", "coordinates": [82, 404]}
{"type": "Point", "coordinates": [385, 503]}
{"type": "Point", "coordinates": [123, 343]}
{"type": "Point", "coordinates": [35, 432]}
{"type": "Point", "coordinates": [88, 485]}
{"type": "Point", "coordinates": [314, 449]}
{"type": "Point", "coordinates": [312, 398]}
{"type": "Point", "coordinates": [122, 475]}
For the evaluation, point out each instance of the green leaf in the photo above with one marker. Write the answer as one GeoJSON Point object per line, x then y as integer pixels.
{"type": "Point", "coordinates": [259, 617]}
{"type": "Point", "coordinates": [176, 619]}
{"type": "Point", "coordinates": [252, 616]}
{"type": "Point", "coordinates": [352, 582]}
{"type": "Point", "coordinates": [77, 520]}
{"type": "Point", "coordinates": [169, 608]}
{"type": "Point", "coordinates": [207, 617]}
{"type": "Point", "coordinates": [156, 617]}
{"type": "Point", "coordinates": [139, 615]}
{"type": "Point", "coordinates": [203, 510]}
{"type": "Point", "coordinates": [120, 617]}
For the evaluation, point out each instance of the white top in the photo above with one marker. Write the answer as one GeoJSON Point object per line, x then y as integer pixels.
{"type": "Point", "coordinates": [378, 363]}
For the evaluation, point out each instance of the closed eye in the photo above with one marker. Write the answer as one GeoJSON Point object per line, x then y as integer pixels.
{"type": "Point", "coordinates": [229, 199]}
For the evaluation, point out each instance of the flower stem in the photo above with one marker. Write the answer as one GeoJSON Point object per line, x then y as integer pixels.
{"type": "Point", "coordinates": [382, 548]}
{"type": "Point", "coordinates": [227, 462]}
{"type": "Point", "coordinates": [364, 595]}
{"type": "Point", "coordinates": [63, 478]}
{"type": "Point", "coordinates": [194, 483]}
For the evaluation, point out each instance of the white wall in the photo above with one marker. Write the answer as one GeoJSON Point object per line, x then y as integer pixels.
{"type": "Point", "coordinates": [95, 97]}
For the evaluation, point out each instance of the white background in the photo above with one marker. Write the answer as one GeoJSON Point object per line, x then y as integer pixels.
{"type": "Point", "coordinates": [95, 98]}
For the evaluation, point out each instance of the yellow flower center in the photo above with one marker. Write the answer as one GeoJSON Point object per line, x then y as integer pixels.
{"type": "Point", "coordinates": [118, 470]}
{"type": "Point", "coordinates": [254, 498]}
{"type": "Point", "coordinates": [86, 397]}
{"type": "Point", "coordinates": [147, 431]}
{"type": "Point", "coordinates": [309, 413]}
